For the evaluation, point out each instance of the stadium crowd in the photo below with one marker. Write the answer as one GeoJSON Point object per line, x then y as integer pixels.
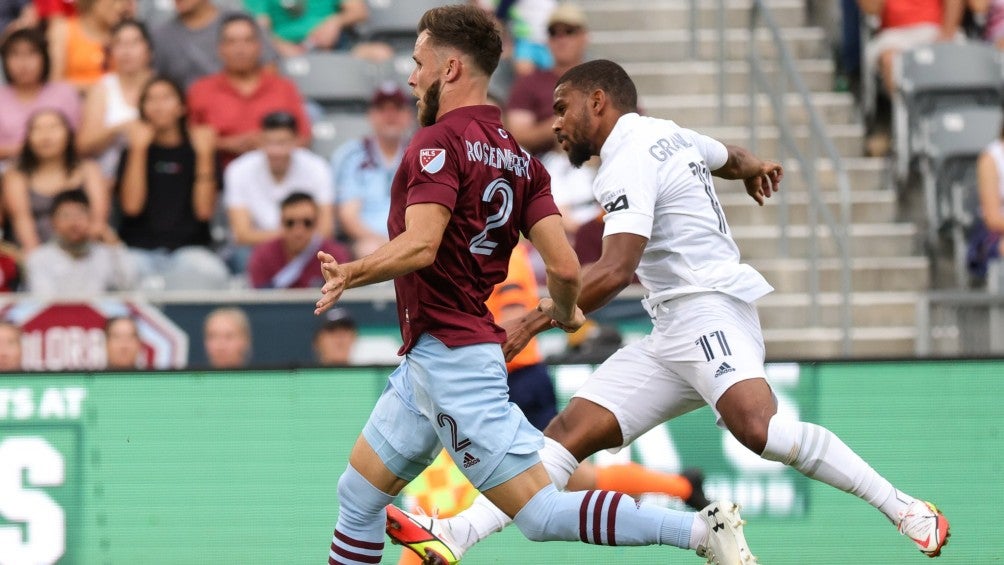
{"type": "Point", "coordinates": [144, 150]}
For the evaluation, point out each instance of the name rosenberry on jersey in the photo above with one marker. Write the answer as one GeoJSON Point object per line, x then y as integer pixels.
{"type": "Point", "coordinates": [498, 157]}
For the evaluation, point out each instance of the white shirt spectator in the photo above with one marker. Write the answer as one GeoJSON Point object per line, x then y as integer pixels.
{"type": "Point", "coordinates": [248, 184]}
{"type": "Point", "coordinates": [50, 270]}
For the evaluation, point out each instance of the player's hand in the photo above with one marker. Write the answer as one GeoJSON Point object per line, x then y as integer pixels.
{"type": "Point", "coordinates": [334, 282]}
{"type": "Point", "coordinates": [567, 322]}
{"type": "Point", "coordinates": [765, 183]}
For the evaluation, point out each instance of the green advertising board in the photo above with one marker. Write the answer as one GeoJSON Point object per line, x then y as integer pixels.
{"type": "Point", "coordinates": [191, 468]}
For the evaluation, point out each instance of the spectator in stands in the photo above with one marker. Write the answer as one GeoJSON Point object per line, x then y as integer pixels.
{"type": "Point", "coordinates": [256, 183]}
{"type": "Point", "coordinates": [528, 22]}
{"type": "Point", "coordinates": [49, 10]}
{"type": "Point", "coordinates": [185, 47]}
{"type": "Point", "coordinates": [364, 168]}
{"type": "Point", "coordinates": [123, 348]}
{"type": "Point", "coordinates": [28, 89]}
{"type": "Point", "coordinates": [906, 24]}
{"type": "Point", "coordinates": [290, 260]}
{"type": "Point", "coordinates": [48, 166]}
{"type": "Point", "coordinates": [528, 114]}
{"type": "Point", "coordinates": [227, 334]}
{"type": "Point", "coordinates": [572, 189]}
{"type": "Point", "coordinates": [167, 189]}
{"type": "Point", "coordinates": [10, 347]}
{"type": "Point", "coordinates": [11, 260]}
{"type": "Point", "coordinates": [986, 240]}
{"type": "Point", "coordinates": [77, 44]}
{"type": "Point", "coordinates": [235, 100]}
{"type": "Point", "coordinates": [110, 107]}
{"type": "Point", "coordinates": [991, 14]}
{"type": "Point", "coordinates": [335, 340]}
{"type": "Point", "coordinates": [17, 14]}
{"type": "Point", "coordinates": [298, 26]}
{"type": "Point", "coordinates": [71, 263]}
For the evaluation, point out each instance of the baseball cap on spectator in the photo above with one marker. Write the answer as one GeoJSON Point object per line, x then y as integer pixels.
{"type": "Point", "coordinates": [279, 120]}
{"type": "Point", "coordinates": [389, 92]}
{"type": "Point", "coordinates": [567, 14]}
{"type": "Point", "coordinates": [338, 318]}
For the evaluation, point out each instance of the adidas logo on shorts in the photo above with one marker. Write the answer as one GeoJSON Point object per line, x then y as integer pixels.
{"type": "Point", "coordinates": [470, 460]}
{"type": "Point", "coordinates": [725, 368]}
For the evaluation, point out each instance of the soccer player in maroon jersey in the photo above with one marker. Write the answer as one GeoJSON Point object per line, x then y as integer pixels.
{"type": "Point", "coordinates": [464, 193]}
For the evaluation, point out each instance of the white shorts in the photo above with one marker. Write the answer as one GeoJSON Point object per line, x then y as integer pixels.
{"type": "Point", "coordinates": [899, 39]}
{"type": "Point", "coordinates": [701, 345]}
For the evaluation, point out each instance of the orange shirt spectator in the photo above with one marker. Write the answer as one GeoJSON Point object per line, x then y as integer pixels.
{"type": "Point", "coordinates": [77, 44]}
{"type": "Point", "coordinates": [902, 13]}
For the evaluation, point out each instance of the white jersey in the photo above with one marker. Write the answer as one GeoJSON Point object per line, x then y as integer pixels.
{"type": "Point", "coordinates": [655, 181]}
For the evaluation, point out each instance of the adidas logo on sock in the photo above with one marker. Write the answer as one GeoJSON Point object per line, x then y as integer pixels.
{"type": "Point", "coordinates": [725, 368]}
{"type": "Point", "coordinates": [470, 460]}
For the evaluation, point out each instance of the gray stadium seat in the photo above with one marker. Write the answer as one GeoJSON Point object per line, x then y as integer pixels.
{"type": "Point", "coordinates": [937, 77]}
{"type": "Point", "coordinates": [394, 21]}
{"type": "Point", "coordinates": [334, 129]}
{"type": "Point", "coordinates": [336, 81]}
{"type": "Point", "coordinates": [950, 142]}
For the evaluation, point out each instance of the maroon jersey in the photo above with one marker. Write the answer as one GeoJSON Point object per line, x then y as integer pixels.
{"type": "Point", "coordinates": [469, 163]}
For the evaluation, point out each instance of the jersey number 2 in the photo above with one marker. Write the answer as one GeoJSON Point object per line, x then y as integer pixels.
{"type": "Point", "coordinates": [480, 244]}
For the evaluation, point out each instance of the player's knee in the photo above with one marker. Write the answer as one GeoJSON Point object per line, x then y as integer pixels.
{"type": "Point", "coordinates": [532, 529]}
{"type": "Point", "coordinates": [752, 430]}
{"type": "Point", "coordinates": [358, 500]}
{"type": "Point", "coordinates": [585, 428]}
{"type": "Point", "coordinates": [533, 519]}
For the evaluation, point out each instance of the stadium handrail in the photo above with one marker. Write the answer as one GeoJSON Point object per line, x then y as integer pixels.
{"type": "Point", "coordinates": [819, 144]}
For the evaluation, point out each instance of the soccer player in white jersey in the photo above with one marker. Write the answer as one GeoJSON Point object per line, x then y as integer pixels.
{"type": "Point", "coordinates": [664, 222]}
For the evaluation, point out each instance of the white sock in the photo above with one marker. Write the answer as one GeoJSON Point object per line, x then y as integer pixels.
{"type": "Point", "coordinates": [698, 532]}
{"type": "Point", "coordinates": [483, 519]}
{"type": "Point", "coordinates": [560, 464]}
{"type": "Point", "coordinates": [819, 454]}
{"type": "Point", "coordinates": [477, 522]}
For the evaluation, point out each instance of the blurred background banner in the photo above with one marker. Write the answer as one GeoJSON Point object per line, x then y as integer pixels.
{"type": "Point", "coordinates": [66, 336]}
{"type": "Point", "coordinates": [241, 467]}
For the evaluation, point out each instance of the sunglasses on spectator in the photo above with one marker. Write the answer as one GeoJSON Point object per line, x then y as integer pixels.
{"type": "Point", "coordinates": [290, 223]}
{"type": "Point", "coordinates": [562, 31]}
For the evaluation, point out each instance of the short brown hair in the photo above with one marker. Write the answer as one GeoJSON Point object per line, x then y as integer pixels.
{"type": "Point", "coordinates": [468, 29]}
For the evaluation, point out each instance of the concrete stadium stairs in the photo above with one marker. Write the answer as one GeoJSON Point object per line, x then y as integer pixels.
{"type": "Point", "coordinates": [651, 39]}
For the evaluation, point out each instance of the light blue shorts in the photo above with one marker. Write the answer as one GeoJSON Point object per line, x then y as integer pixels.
{"type": "Point", "coordinates": [456, 398]}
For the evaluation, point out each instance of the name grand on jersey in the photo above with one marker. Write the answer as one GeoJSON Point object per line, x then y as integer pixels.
{"type": "Point", "coordinates": [481, 152]}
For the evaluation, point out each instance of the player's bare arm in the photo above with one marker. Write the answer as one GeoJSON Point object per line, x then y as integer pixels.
{"type": "Point", "coordinates": [563, 282]}
{"type": "Point", "coordinates": [414, 249]}
{"type": "Point", "coordinates": [601, 282]}
{"type": "Point", "coordinates": [762, 178]}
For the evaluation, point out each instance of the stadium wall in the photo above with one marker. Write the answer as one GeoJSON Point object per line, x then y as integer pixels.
{"type": "Point", "coordinates": [241, 467]}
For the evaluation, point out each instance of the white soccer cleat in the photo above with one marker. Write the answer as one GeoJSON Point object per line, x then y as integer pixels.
{"type": "Point", "coordinates": [923, 523]}
{"type": "Point", "coordinates": [726, 544]}
{"type": "Point", "coordinates": [424, 535]}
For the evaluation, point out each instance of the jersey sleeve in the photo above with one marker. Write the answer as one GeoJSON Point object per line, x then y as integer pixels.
{"type": "Point", "coordinates": [539, 202]}
{"type": "Point", "coordinates": [627, 190]}
{"type": "Point", "coordinates": [433, 168]}
{"type": "Point", "coordinates": [714, 152]}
